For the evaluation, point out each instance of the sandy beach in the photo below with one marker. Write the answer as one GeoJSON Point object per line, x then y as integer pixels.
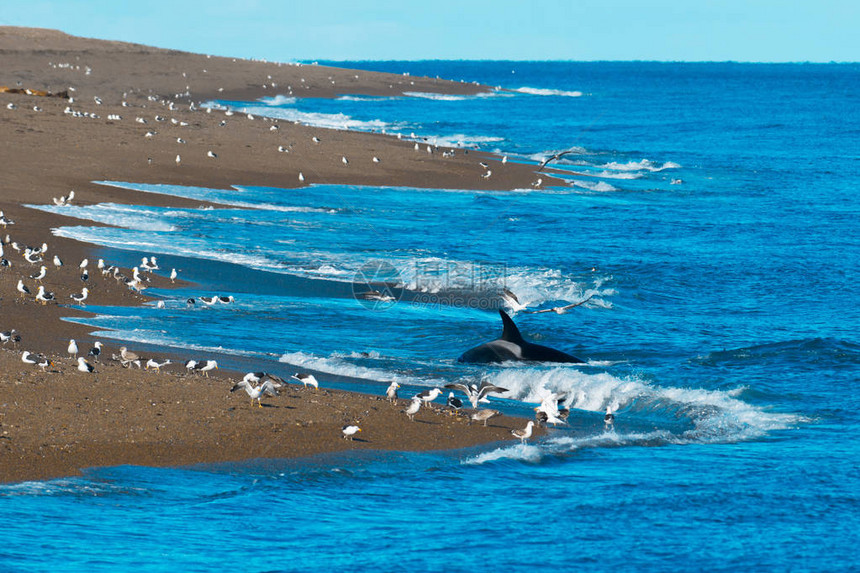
{"type": "Point", "coordinates": [54, 423]}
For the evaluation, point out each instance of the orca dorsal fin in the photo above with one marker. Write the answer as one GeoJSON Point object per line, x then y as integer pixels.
{"type": "Point", "coordinates": [510, 333]}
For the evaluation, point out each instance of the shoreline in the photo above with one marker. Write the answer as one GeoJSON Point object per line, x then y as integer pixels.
{"type": "Point", "coordinates": [56, 423]}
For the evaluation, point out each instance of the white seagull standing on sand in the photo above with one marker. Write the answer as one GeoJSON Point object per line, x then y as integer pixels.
{"type": "Point", "coordinates": [391, 391]}
{"type": "Point", "coordinates": [350, 431]}
{"type": "Point", "coordinates": [22, 288]}
{"type": "Point", "coordinates": [85, 366]}
{"type": "Point", "coordinates": [73, 348]}
{"type": "Point", "coordinates": [173, 275]}
{"type": "Point", "coordinates": [96, 350]}
{"type": "Point", "coordinates": [524, 434]}
{"type": "Point", "coordinates": [266, 387]}
{"type": "Point", "coordinates": [210, 365]}
{"type": "Point", "coordinates": [413, 408]}
{"type": "Point", "coordinates": [428, 396]}
{"type": "Point", "coordinates": [307, 380]}
{"type": "Point", "coordinates": [80, 298]}
{"type": "Point", "coordinates": [41, 274]}
{"type": "Point", "coordinates": [44, 297]}
{"type": "Point", "coordinates": [178, 159]}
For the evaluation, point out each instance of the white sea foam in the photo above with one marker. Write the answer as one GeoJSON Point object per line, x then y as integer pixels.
{"type": "Point", "coordinates": [279, 100]}
{"type": "Point", "coordinates": [599, 186]}
{"type": "Point", "coordinates": [643, 165]}
{"type": "Point", "coordinates": [454, 97]}
{"type": "Point", "coordinates": [338, 121]}
{"type": "Point", "coordinates": [339, 365]}
{"type": "Point", "coordinates": [548, 92]}
{"type": "Point", "coordinates": [125, 216]}
{"type": "Point", "coordinates": [711, 415]}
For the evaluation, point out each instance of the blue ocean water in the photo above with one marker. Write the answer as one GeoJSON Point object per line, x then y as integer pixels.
{"type": "Point", "coordinates": [710, 214]}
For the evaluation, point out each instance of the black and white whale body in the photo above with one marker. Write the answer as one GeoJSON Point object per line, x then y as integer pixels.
{"type": "Point", "coordinates": [511, 346]}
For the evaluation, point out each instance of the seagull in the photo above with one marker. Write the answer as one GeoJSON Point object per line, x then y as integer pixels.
{"type": "Point", "coordinates": [512, 301]}
{"type": "Point", "coordinates": [413, 408]}
{"type": "Point", "coordinates": [609, 418]}
{"type": "Point", "coordinates": [84, 264]}
{"type": "Point", "coordinates": [7, 336]}
{"type": "Point", "coordinates": [344, 160]}
{"type": "Point", "coordinates": [283, 149]}
{"type": "Point", "coordinates": [561, 309]}
{"type": "Point", "coordinates": [210, 300]}
{"type": "Point", "coordinates": [524, 434]}
{"type": "Point", "coordinates": [31, 257]}
{"type": "Point", "coordinates": [127, 356]}
{"type": "Point", "coordinates": [226, 299]}
{"type": "Point", "coordinates": [44, 297]}
{"type": "Point", "coordinates": [477, 394]}
{"type": "Point", "coordinates": [484, 415]}
{"type": "Point", "coordinates": [85, 275]}
{"type": "Point", "coordinates": [191, 365]}
{"type": "Point", "coordinates": [211, 154]}
{"type": "Point", "coordinates": [301, 176]}
{"type": "Point", "coordinates": [180, 140]}
{"type": "Point", "coordinates": [80, 298]}
{"type": "Point", "coordinates": [57, 261]}
{"type": "Point", "coordinates": [254, 377]}
{"type": "Point", "coordinates": [96, 350]}
{"type": "Point", "coordinates": [173, 275]}
{"type": "Point", "coordinates": [390, 392]}
{"type": "Point", "coordinates": [554, 157]}
{"type": "Point", "coordinates": [40, 275]}
{"type": "Point", "coordinates": [549, 406]}
{"type": "Point", "coordinates": [155, 365]}
{"type": "Point", "coordinates": [315, 139]}
{"type": "Point", "coordinates": [307, 380]}
{"type": "Point", "coordinates": [350, 431]}
{"type": "Point", "coordinates": [375, 159]}
{"type": "Point", "coordinates": [97, 99]}
{"type": "Point", "coordinates": [25, 358]}
{"type": "Point", "coordinates": [486, 175]}
{"type": "Point", "coordinates": [428, 396]}
{"type": "Point", "coordinates": [178, 159]}
{"type": "Point", "coordinates": [22, 288]}
{"type": "Point", "coordinates": [210, 365]}
{"type": "Point", "coordinates": [256, 393]}
{"type": "Point", "coordinates": [85, 366]}
{"type": "Point", "coordinates": [73, 348]}
{"type": "Point", "coordinates": [454, 402]}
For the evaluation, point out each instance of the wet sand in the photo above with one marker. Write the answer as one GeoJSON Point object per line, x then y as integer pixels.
{"type": "Point", "coordinates": [57, 422]}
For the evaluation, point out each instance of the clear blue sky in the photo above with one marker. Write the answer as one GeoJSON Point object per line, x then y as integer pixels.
{"type": "Point", "coordinates": [692, 30]}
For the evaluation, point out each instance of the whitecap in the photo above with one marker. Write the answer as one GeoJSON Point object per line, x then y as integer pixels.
{"type": "Point", "coordinates": [548, 92]}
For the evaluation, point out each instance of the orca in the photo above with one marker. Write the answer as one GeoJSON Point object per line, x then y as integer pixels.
{"type": "Point", "coordinates": [511, 346]}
